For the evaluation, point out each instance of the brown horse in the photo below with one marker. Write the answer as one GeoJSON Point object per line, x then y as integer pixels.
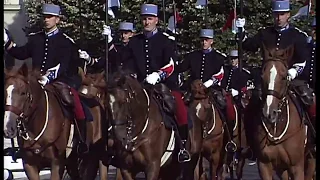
{"type": "Point", "coordinates": [203, 109]}
{"type": "Point", "coordinates": [29, 112]}
{"type": "Point", "coordinates": [235, 156]}
{"type": "Point", "coordinates": [310, 153]}
{"type": "Point", "coordinates": [142, 140]}
{"type": "Point", "coordinates": [93, 90]}
{"type": "Point", "coordinates": [278, 130]}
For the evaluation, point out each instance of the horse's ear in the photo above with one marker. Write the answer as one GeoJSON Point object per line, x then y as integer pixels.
{"type": "Point", "coordinates": [23, 70]}
{"type": "Point", "coordinates": [267, 53]}
{"type": "Point", "coordinates": [289, 52]}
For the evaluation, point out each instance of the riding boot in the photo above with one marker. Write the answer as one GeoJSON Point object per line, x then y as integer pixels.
{"type": "Point", "coordinates": [184, 155]}
{"type": "Point", "coordinates": [82, 145]}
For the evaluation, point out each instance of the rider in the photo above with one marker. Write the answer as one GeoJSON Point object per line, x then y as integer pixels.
{"type": "Point", "coordinates": [55, 54]}
{"type": "Point", "coordinates": [208, 66]}
{"type": "Point", "coordinates": [235, 81]}
{"type": "Point", "coordinates": [151, 56]}
{"type": "Point", "coordinates": [127, 31]}
{"type": "Point", "coordinates": [309, 73]}
{"type": "Point", "coordinates": [281, 36]}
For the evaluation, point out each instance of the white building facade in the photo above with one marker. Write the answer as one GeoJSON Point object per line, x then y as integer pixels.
{"type": "Point", "coordinates": [15, 19]}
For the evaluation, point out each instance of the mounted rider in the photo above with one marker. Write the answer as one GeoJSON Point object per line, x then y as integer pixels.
{"type": "Point", "coordinates": [207, 65]}
{"type": "Point", "coordinates": [55, 55]}
{"type": "Point", "coordinates": [235, 81]}
{"type": "Point", "coordinates": [98, 63]}
{"type": "Point", "coordinates": [281, 36]}
{"type": "Point", "coordinates": [150, 55]}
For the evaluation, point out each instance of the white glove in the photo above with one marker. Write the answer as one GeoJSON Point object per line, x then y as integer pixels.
{"type": "Point", "coordinates": [292, 73]}
{"type": "Point", "coordinates": [84, 55]}
{"type": "Point", "coordinates": [153, 78]}
{"type": "Point", "coordinates": [208, 83]}
{"type": "Point", "coordinates": [240, 22]}
{"type": "Point", "coordinates": [234, 92]}
{"type": "Point", "coordinates": [5, 37]}
{"type": "Point", "coordinates": [43, 80]}
{"type": "Point", "coordinates": [107, 32]}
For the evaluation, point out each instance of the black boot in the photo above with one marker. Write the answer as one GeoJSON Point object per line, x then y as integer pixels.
{"type": "Point", "coordinates": [183, 155]}
{"type": "Point", "coordinates": [82, 146]}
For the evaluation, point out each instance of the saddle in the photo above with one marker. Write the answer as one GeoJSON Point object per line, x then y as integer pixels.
{"type": "Point", "coordinates": [302, 89]}
{"type": "Point", "coordinates": [166, 102]}
{"type": "Point", "coordinates": [64, 96]}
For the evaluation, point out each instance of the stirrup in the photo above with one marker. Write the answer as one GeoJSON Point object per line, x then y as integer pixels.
{"type": "Point", "coordinates": [183, 152]}
{"type": "Point", "coordinates": [230, 147]}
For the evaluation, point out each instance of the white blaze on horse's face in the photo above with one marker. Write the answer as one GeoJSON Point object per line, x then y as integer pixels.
{"type": "Point", "coordinates": [272, 78]}
{"type": "Point", "coordinates": [7, 114]}
{"type": "Point", "coordinates": [112, 100]}
{"type": "Point", "coordinates": [198, 107]}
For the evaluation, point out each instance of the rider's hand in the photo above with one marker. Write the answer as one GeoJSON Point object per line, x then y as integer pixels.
{"type": "Point", "coordinates": [234, 92]}
{"type": "Point", "coordinates": [5, 37]}
{"type": "Point", "coordinates": [292, 73]}
{"type": "Point", "coordinates": [153, 78]}
{"type": "Point", "coordinates": [84, 55]}
{"type": "Point", "coordinates": [44, 80]}
{"type": "Point", "coordinates": [107, 32]}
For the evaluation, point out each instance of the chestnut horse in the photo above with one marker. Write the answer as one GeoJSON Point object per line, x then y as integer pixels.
{"type": "Point", "coordinates": [142, 140]}
{"type": "Point", "coordinates": [35, 117]}
{"type": "Point", "coordinates": [278, 129]}
{"type": "Point", "coordinates": [93, 91]}
{"type": "Point", "coordinates": [203, 110]}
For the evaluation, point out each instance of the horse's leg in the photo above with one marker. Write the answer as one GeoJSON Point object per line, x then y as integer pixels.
{"type": "Point", "coordinates": [57, 169]}
{"type": "Point", "coordinates": [265, 170]}
{"type": "Point", "coordinates": [297, 172]}
{"type": "Point", "coordinates": [283, 174]}
{"type": "Point", "coordinates": [126, 174]}
{"type": "Point", "coordinates": [32, 172]}
{"type": "Point", "coordinates": [118, 175]}
{"type": "Point", "coordinates": [214, 163]}
{"type": "Point", "coordinates": [240, 165]}
{"type": "Point", "coordinates": [152, 171]}
{"type": "Point", "coordinates": [103, 171]}
{"type": "Point", "coordinates": [310, 167]}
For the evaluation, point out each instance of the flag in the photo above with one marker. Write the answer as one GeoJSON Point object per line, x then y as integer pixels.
{"type": "Point", "coordinates": [230, 23]}
{"type": "Point", "coordinates": [303, 11]}
{"type": "Point", "coordinates": [111, 5]}
{"type": "Point", "coordinates": [200, 4]}
{"type": "Point", "coordinates": [172, 24]}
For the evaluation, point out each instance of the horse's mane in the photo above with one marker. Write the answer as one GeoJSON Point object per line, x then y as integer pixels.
{"type": "Point", "coordinates": [23, 73]}
{"type": "Point", "coordinates": [278, 54]}
{"type": "Point", "coordinates": [119, 78]}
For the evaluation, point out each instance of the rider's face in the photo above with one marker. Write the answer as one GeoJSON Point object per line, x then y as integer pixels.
{"type": "Point", "coordinates": [234, 62]}
{"type": "Point", "coordinates": [50, 21]}
{"type": "Point", "coordinates": [281, 18]}
{"type": "Point", "coordinates": [149, 22]}
{"type": "Point", "coordinates": [313, 33]}
{"type": "Point", "coordinates": [206, 43]}
{"type": "Point", "coordinates": [125, 35]}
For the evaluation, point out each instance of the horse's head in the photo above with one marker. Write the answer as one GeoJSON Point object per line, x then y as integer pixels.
{"type": "Point", "coordinates": [275, 81]}
{"type": "Point", "coordinates": [124, 95]}
{"type": "Point", "coordinates": [18, 98]}
{"type": "Point", "coordinates": [198, 90]}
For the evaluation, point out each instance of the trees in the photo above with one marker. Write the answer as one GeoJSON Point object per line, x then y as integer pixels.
{"type": "Point", "coordinates": [89, 15]}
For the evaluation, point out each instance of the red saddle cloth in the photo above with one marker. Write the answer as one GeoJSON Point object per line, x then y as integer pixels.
{"type": "Point", "coordinates": [181, 110]}
{"type": "Point", "coordinates": [231, 113]}
{"type": "Point", "coordinates": [78, 109]}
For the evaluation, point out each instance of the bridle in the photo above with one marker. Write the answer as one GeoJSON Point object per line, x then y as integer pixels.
{"type": "Point", "coordinates": [130, 98]}
{"type": "Point", "coordinates": [282, 96]}
{"type": "Point", "coordinates": [23, 113]}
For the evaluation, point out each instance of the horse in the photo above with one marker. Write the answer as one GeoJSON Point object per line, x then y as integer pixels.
{"type": "Point", "coordinates": [278, 130]}
{"type": "Point", "coordinates": [310, 152]}
{"type": "Point", "coordinates": [30, 110]}
{"type": "Point", "coordinates": [203, 110]}
{"type": "Point", "coordinates": [235, 141]}
{"type": "Point", "coordinates": [93, 93]}
{"type": "Point", "coordinates": [143, 139]}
